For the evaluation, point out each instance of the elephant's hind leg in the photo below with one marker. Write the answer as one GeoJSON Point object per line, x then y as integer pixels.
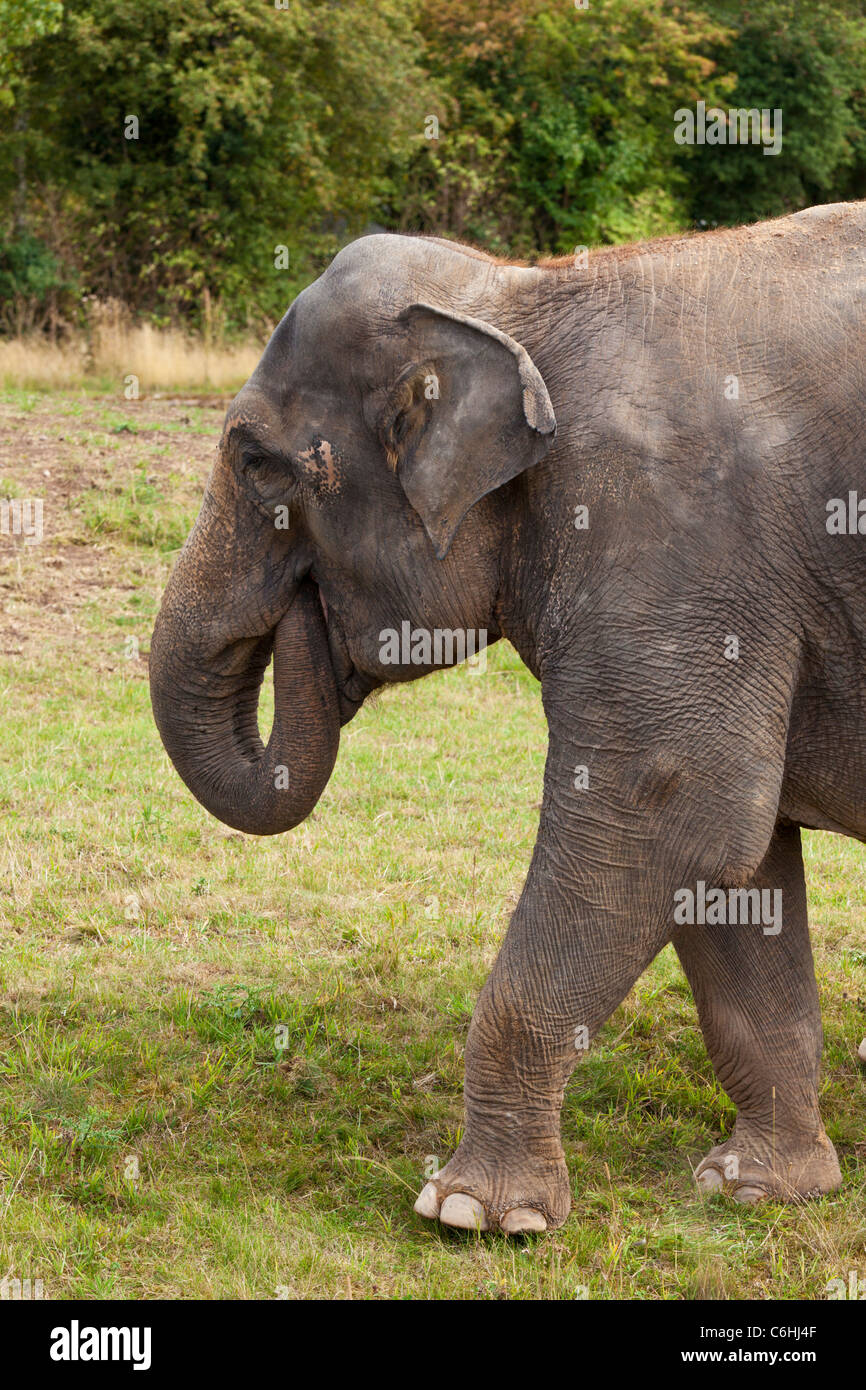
{"type": "Point", "coordinates": [758, 1006]}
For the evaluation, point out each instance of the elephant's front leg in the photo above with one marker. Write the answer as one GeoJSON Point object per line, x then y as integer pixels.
{"type": "Point", "coordinates": [576, 944]}
{"type": "Point", "coordinates": [758, 1006]}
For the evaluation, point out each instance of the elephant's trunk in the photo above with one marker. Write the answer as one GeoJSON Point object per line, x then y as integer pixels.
{"type": "Point", "coordinates": [205, 708]}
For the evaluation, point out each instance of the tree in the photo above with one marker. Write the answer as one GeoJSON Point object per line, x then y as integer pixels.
{"type": "Point", "coordinates": [179, 144]}
{"type": "Point", "coordinates": [562, 125]}
{"type": "Point", "coordinates": [809, 62]}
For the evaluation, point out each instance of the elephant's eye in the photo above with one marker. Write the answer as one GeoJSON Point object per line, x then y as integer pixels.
{"type": "Point", "coordinates": [268, 477]}
{"type": "Point", "coordinates": [255, 463]}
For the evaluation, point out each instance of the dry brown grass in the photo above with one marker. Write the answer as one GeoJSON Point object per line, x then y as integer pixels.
{"type": "Point", "coordinates": [113, 349]}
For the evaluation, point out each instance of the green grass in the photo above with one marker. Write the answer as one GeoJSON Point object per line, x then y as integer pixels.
{"type": "Point", "coordinates": [227, 1063]}
{"type": "Point", "coordinates": [139, 513]}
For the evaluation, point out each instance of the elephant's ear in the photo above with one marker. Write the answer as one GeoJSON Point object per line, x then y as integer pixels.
{"type": "Point", "coordinates": [468, 414]}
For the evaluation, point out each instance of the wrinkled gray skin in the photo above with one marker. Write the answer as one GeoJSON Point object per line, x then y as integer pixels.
{"type": "Point", "coordinates": [562, 387]}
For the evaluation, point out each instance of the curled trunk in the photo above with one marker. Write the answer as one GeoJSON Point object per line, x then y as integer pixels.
{"type": "Point", "coordinates": [206, 712]}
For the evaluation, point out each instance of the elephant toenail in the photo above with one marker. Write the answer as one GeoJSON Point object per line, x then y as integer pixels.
{"type": "Point", "coordinates": [463, 1211]}
{"type": "Point", "coordinates": [748, 1194]}
{"type": "Point", "coordinates": [427, 1203]}
{"type": "Point", "coordinates": [521, 1219]}
{"type": "Point", "coordinates": [710, 1179]}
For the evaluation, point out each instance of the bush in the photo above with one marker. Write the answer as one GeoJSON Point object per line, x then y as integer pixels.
{"type": "Point", "coordinates": [36, 294]}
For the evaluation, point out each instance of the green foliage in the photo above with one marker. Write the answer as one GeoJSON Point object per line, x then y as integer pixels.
{"type": "Point", "coordinates": [569, 117]}
{"type": "Point", "coordinates": [810, 62]}
{"type": "Point", "coordinates": [32, 283]}
{"type": "Point", "coordinates": [22, 22]}
{"type": "Point", "coordinates": [258, 128]}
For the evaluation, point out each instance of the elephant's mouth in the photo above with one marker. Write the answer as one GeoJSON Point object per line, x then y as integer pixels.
{"type": "Point", "coordinates": [353, 686]}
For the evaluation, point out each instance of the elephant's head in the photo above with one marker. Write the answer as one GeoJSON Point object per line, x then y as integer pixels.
{"type": "Point", "coordinates": [379, 414]}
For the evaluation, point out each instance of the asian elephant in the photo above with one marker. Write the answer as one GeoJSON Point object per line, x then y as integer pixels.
{"type": "Point", "coordinates": [644, 467]}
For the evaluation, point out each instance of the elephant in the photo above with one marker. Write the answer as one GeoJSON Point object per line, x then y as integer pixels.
{"type": "Point", "coordinates": [643, 467]}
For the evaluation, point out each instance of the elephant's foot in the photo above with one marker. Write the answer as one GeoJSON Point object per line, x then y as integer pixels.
{"type": "Point", "coordinates": [488, 1194]}
{"type": "Point", "coordinates": [753, 1171]}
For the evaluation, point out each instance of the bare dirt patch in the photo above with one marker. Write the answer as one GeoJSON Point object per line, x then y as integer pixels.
{"type": "Point", "coordinates": [104, 470]}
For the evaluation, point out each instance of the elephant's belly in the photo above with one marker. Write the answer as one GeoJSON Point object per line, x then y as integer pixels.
{"type": "Point", "coordinates": [824, 784]}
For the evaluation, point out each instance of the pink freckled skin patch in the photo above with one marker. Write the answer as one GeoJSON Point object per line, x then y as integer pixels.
{"type": "Point", "coordinates": [321, 463]}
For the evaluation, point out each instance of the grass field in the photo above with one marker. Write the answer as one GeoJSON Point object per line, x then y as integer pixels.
{"type": "Point", "coordinates": [115, 349]}
{"type": "Point", "coordinates": [226, 1062]}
